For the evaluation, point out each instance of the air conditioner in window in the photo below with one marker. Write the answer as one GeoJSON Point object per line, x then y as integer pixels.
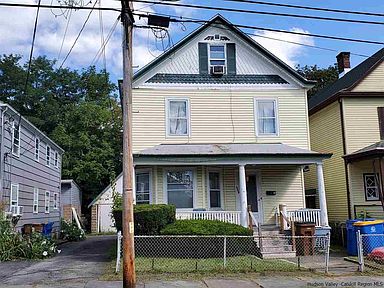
{"type": "Point", "coordinates": [17, 210]}
{"type": "Point", "coordinates": [218, 70]}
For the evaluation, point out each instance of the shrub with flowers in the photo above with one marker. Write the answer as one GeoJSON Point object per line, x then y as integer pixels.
{"type": "Point", "coordinates": [39, 247]}
{"type": "Point", "coordinates": [70, 231]}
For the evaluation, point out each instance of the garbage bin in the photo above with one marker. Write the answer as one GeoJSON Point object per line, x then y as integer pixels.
{"type": "Point", "coordinates": [351, 235]}
{"type": "Point", "coordinates": [305, 246]}
{"type": "Point", "coordinates": [373, 228]}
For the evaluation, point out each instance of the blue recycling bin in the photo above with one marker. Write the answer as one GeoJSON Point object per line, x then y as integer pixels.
{"type": "Point", "coordinates": [351, 235]}
{"type": "Point", "coordinates": [374, 228]}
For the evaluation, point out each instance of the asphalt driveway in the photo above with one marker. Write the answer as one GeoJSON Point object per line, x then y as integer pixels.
{"type": "Point", "coordinates": [77, 264]}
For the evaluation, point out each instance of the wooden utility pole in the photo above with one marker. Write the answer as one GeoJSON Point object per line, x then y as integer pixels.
{"type": "Point", "coordinates": [129, 274]}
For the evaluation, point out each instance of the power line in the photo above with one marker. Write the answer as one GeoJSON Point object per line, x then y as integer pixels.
{"type": "Point", "coordinates": [65, 34]}
{"type": "Point", "coordinates": [59, 7]}
{"type": "Point", "coordinates": [78, 35]}
{"type": "Point", "coordinates": [192, 20]}
{"type": "Point", "coordinates": [308, 7]}
{"type": "Point", "coordinates": [260, 12]}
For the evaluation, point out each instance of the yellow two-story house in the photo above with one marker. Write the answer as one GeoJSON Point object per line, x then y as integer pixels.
{"type": "Point", "coordinates": [221, 130]}
{"type": "Point", "coordinates": [347, 119]}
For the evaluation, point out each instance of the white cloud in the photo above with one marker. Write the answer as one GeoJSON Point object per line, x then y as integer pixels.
{"type": "Point", "coordinates": [288, 52]}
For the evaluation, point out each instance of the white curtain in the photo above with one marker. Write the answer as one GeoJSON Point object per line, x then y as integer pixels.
{"type": "Point", "coordinates": [267, 117]}
{"type": "Point", "coordinates": [178, 122]}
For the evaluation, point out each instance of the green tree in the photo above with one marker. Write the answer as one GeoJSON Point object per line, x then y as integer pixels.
{"type": "Point", "coordinates": [76, 109]}
{"type": "Point", "coordinates": [323, 76]}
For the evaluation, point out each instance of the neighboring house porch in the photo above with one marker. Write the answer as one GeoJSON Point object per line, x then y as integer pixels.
{"type": "Point", "coordinates": [366, 172]}
{"type": "Point", "coordinates": [225, 181]}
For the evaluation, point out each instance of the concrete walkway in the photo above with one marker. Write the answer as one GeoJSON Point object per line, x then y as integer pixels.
{"type": "Point", "coordinates": [79, 263]}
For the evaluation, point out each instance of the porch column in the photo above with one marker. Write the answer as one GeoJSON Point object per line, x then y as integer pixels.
{"type": "Point", "coordinates": [243, 196]}
{"type": "Point", "coordinates": [322, 198]}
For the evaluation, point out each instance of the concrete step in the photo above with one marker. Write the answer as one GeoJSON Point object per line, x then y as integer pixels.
{"type": "Point", "coordinates": [277, 249]}
{"type": "Point", "coordinates": [274, 241]}
{"type": "Point", "coordinates": [279, 255]}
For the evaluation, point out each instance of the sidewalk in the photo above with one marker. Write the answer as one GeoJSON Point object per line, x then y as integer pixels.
{"type": "Point", "coordinates": [261, 281]}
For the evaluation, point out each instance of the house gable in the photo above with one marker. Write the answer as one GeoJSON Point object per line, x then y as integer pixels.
{"type": "Point", "coordinates": [247, 62]}
{"type": "Point", "coordinates": [373, 82]}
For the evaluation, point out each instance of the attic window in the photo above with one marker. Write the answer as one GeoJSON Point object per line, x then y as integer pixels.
{"type": "Point", "coordinates": [217, 55]}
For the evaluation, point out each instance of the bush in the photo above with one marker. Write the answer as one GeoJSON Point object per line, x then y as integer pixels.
{"type": "Point", "coordinates": [204, 227]}
{"type": "Point", "coordinates": [14, 246]}
{"type": "Point", "coordinates": [70, 231]}
{"type": "Point", "coordinates": [149, 218]}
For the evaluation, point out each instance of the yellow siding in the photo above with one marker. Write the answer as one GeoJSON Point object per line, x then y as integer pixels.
{"type": "Point", "coordinates": [216, 114]}
{"type": "Point", "coordinates": [356, 171]}
{"type": "Point", "coordinates": [326, 136]}
{"type": "Point", "coordinates": [361, 121]}
{"type": "Point", "coordinates": [374, 82]}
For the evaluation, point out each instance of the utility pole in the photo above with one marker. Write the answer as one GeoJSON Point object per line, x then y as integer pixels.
{"type": "Point", "coordinates": [129, 274]}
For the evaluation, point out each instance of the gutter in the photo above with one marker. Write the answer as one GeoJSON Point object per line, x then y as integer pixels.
{"type": "Point", "coordinates": [2, 152]}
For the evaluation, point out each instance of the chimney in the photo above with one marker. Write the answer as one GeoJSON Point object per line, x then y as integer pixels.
{"type": "Point", "coordinates": [343, 63]}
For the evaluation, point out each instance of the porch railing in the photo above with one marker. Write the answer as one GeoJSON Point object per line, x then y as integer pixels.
{"type": "Point", "coordinates": [224, 216]}
{"type": "Point", "coordinates": [305, 215]}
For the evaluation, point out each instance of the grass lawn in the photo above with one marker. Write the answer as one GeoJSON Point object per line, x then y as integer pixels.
{"type": "Point", "coordinates": [211, 265]}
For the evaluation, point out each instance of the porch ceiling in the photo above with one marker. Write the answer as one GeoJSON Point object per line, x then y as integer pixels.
{"type": "Point", "coordinates": [214, 154]}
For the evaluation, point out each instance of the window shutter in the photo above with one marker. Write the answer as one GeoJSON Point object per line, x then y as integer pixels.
{"type": "Point", "coordinates": [231, 59]}
{"type": "Point", "coordinates": [380, 113]}
{"type": "Point", "coordinates": [203, 58]}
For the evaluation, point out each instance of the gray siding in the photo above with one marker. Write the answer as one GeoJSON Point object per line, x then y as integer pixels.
{"type": "Point", "coordinates": [28, 173]}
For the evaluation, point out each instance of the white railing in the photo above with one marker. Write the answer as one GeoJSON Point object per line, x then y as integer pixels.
{"type": "Point", "coordinates": [305, 215]}
{"type": "Point", "coordinates": [224, 216]}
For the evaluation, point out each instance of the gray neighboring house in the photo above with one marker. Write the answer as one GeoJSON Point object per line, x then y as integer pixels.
{"type": "Point", "coordinates": [30, 171]}
{"type": "Point", "coordinates": [70, 198]}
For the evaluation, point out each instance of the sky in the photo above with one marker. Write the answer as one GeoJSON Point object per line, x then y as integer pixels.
{"type": "Point", "coordinates": [57, 31]}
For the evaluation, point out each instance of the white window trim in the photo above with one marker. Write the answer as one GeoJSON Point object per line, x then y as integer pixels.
{"type": "Point", "coordinates": [37, 149]}
{"type": "Point", "coordinates": [47, 200]}
{"type": "Point", "coordinates": [167, 104]}
{"type": "Point", "coordinates": [225, 55]}
{"type": "Point", "coordinates": [13, 139]}
{"type": "Point", "coordinates": [55, 201]}
{"type": "Point", "coordinates": [11, 194]}
{"type": "Point", "coordinates": [56, 159]}
{"type": "Point", "coordinates": [35, 200]}
{"type": "Point", "coordinates": [220, 171]}
{"type": "Point", "coordinates": [48, 156]}
{"type": "Point", "coordinates": [365, 187]}
{"type": "Point", "coordinates": [165, 190]}
{"type": "Point", "coordinates": [256, 116]}
{"type": "Point", "coordinates": [141, 171]}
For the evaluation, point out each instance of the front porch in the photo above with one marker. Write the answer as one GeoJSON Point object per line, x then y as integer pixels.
{"type": "Point", "coordinates": [242, 184]}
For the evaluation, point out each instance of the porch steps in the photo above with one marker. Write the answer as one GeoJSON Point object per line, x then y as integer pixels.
{"type": "Point", "coordinates": [276, 246]}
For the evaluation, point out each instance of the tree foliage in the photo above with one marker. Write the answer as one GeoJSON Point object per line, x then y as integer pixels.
{"type": "Point", "coordinates": [323, 76]}
{"type": "Point", "coordinates": [76, 109]}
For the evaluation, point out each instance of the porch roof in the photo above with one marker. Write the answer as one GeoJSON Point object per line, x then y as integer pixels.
{"type": "Point", "coordinates": [241, 153]}
{"type": "Point", "coordinates": [371, 151]}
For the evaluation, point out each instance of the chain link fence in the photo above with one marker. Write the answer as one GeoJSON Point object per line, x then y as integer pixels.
{"type": "Point", "coordinates": [370, 249]}
{"type": "Point", "coordinates": [180, 254]}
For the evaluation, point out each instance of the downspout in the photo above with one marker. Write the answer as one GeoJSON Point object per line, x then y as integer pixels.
{"type": "Point", "coordinates": [2, 151]}
{"type": "Point", "coordinates": [345, 153]}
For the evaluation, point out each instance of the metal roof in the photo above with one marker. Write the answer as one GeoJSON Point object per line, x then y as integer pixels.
{"type": "Point", "coordinates": [348, 81]}
{"type": "Point", "coordinates": [373, 150]}
{"type": "Point", "coordinates": [210, 79]}
{"type": "Point", "coordinates": [225, 149]}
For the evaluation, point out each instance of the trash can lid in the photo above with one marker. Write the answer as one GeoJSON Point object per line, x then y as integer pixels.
{"type": "Point", "coordinates": [366, 223]}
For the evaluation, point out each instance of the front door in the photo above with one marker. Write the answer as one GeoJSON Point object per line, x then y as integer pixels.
{"type": "Point", "coordinates": [252, 196]}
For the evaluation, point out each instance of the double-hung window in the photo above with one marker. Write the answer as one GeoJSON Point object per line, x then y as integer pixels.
{"type": "Point", "coordinates": [177, 117]}
{"type": "Point", "coordinates": [37, 149]}
{"type": "Point", "coordinates": [15, 139]}
{"type": "Point", "coordinates": [35, 200]}
{"type": "Point", "coordinates": [48, 156]}
{"type": "Point", "coordinates": [55, 201]}
{"type": "Point", "coordinates": [217, 55]}
{"type": "Point", "coordinates": [14, 197]}
{"type": "Point", "coordinates": [266, 121]}
{"type": "Point", "coordinates": [371, 187]}
{"type": "Point", "coordinates": [47, 201]}
{"type": "Point", "coordinates": [214, 185]}
{"type": "Point", "coordinates": [143, 187]}
{"type": "Point", "coordinates": [180, 188]}
{"type": "Point", "coordinates": [56, 159]}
